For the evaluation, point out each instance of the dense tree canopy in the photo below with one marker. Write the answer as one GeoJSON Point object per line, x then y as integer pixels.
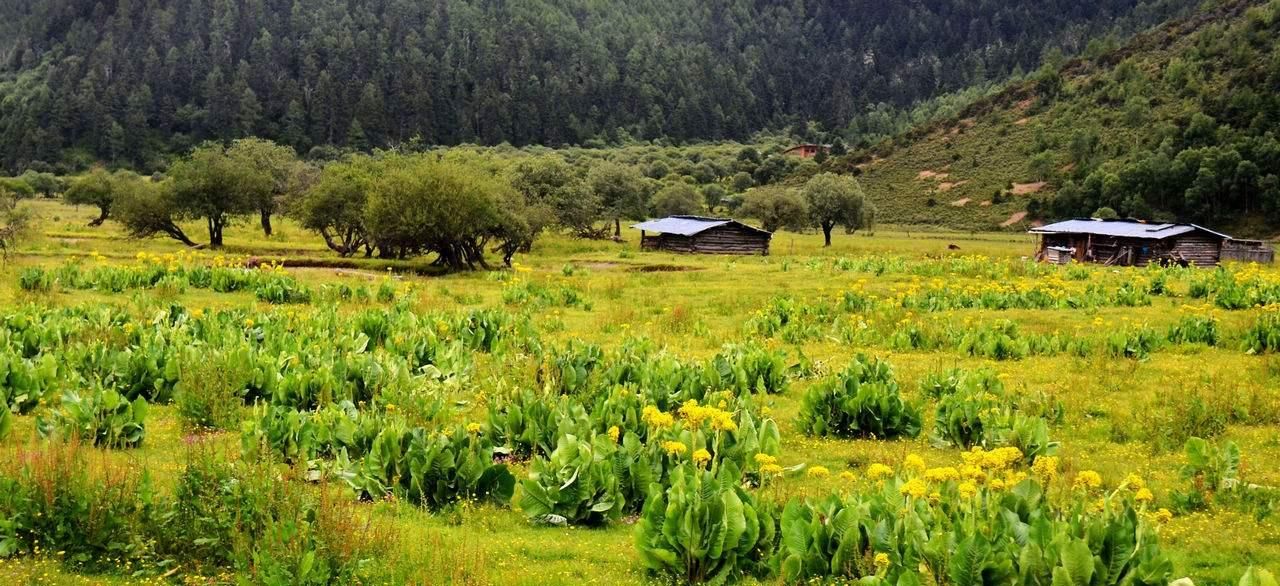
{"type": "Point", "coordinates": [776, 207]}
{"type": "Point", "coordinates": [131, 81]}
{"type": "Point", "coordinates": [836, 200]}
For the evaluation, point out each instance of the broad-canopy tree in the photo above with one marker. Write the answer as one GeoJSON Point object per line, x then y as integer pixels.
{"type": "Point", "coordinates": [836, 200]}
{"type": "Point", "coordinates": [98, 188]}
{"type": "Point", "coordinates": [421, 205]}
{"type": "Point", "coordinates": [776, 207]}
{"type": "Point", "coordinates": [217, 183]}
{"type": "Point", "coordinates": [276, 167]}
{"type": "Point", "coordinates": [621, 190]}
{"type": "Point", "coordinates": [548, 182]}
{"type": "Point", "coordinates": [334, 205]}
{"type": "Point", "coordinates": [677, 199]}
{"type": "Point", "coordinates": [147, 208]}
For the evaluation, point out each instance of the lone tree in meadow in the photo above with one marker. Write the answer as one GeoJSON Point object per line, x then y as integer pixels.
{"type": "Point", "coordinates": [420, 205]}
{"type": "Point", "coordinates": [98, 188]}
{"type": "Point", "coordinates": [776, 207]}
{"type": "Point", "coordinates": [145, 209]}
{"type": "Point", "coordinates": [333, 206]}
{"type": "Point", "coordinates": [218, 184]}
{"type": "Point", "coordinates": [836, 200]}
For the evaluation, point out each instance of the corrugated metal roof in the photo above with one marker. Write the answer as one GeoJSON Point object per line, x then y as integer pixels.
{"type": "Point", "coordinates": [687, 225]}
{"type": "Point", "coordinates": [1121, 228]}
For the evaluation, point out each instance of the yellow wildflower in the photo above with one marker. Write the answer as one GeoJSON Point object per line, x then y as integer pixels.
{"type": "Point", "coordinates": [1088, 480]}
{"type": "Point", "coordinates": [765, 459]}
{"type": "Point", "coordinates": [968, 489]}
{"type": "Point", "coordinates": [819, 472]}
{"type": "Point", "coordinates": [674, 448]}
{"type": "Point", "coordinates": [614, 432]}
{"type": "Point", "coordinates": [701, 456]}
{"type": "Point", "coordinates": [914, 488]}
{"type": "Point", "coordinates": [878, 471]}
{"type": "Point", "coordinates": [1045, 468]}
{"type": "Point", "coordinates": [1144, 495]}
{"type": "Point", "coordinates": [248, 322]}
{"type": "Point", "coordinates": [1163, 516]}
{"type": "Point", "coordinates": [848, 476]}
{"type": "Point", "coordinates": [941, 474]}
{"type": "Point", "coordinates": [772, 469]}
{"type": "Point", "coordinates": [913, 463]}
{"type": "Point", "coordinates": [473, 427]}
{"type": "Point", "coordinates": [1133, 482]}
{"type": "Point", "coordinates": [882, 560]}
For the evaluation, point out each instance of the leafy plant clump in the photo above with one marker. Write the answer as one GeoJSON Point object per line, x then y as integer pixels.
{"type": "Point", "coordinates": [101, 416]}
{"type": "Point", "coordinates": [705, 527]}
{"type": "Point", "coordinates": [861, 401]}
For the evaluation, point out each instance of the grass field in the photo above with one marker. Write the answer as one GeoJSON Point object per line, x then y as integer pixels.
{"type": "Point", "coordinates": [1088, 349]}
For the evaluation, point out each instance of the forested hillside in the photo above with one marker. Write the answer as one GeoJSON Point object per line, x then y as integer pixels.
{"type": "Point", "coordinates": [131, 81]}
{"type": "Point", "coordinates": [1181, 123]}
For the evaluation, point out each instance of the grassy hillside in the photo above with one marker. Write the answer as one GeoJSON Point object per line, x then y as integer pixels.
{"type": "Point", "coordinates": [1118, 129]}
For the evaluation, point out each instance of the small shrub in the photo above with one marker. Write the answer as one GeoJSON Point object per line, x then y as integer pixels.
{"type": "Point", "coordinates": [35, 280]}
{"type": "Point", "coordinates": [861, 401]}
{"type": "Point", "coordinates": [211, 388]}
{"type": "Point", "coordinates": [102, 416]}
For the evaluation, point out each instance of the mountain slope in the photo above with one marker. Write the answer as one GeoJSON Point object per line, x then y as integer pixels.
{"type": "Point", "coordinates": [130, 81]}
{"type": "Point", "coordinates": [1182, 122]}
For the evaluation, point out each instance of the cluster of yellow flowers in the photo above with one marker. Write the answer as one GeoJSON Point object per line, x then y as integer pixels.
{"type": "Point", "coordinates": [701, 456]}
{"type": "Point", "coordinates": [1045, 468]}
{"type": "Point", "coordinates": [914, 488]}
{"type": "Point", "coordinates": [768, 464]}
{"type": "Point", "coordinates": [674, 448]}
{"type": "Point", "coordinates": [473, 427]}
{"type": "Point", "coordinates": [614, 433]}
{"type": "Point", "coordinates": [696, 414]}
{"type": "Point", "coordinates": [819, 472]}
{"type": "Point", "coordinates": [994, 460]}
{"type": "Point", "coordinates": [653, 417]}
{"type": "Point", "coordinates": [1088, 480]}
{"type": "Point", "coordinates": [879, 471]}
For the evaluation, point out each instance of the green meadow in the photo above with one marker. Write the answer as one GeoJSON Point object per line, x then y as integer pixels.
{"type": "Point", "coordinates": [210, 364]}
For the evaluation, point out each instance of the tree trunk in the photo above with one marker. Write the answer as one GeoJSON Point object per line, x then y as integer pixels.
{"type": "Point", "coordinates": [215, 232]}
{"type": "Point", "coordinates": [266, 223]}
{"type": "Point", "coordinates": [826, 233]}
{"type": "Point", "coordinates": [102, 217]}
{"type": "Point", "coordinates": [617, 228]}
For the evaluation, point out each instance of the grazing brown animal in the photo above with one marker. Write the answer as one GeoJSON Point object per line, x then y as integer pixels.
{"type": "Point", "coordinates": [952, 247]}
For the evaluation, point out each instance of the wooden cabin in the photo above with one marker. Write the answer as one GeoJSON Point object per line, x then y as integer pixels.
{"type": "Point", "coordinates": [699, 235]}
{"type": "Point", "coordinates": [806, 151]}
{"type": "Point", "coordinates": [1129, 243]}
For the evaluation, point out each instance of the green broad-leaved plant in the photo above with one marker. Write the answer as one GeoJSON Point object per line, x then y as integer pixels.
{"type": "Point", "coordinates": [861, 401]}
{"type": "Point", "coordinates": [705, 528]}
{"type": "Point", "coordinates": [431, 468]}
{"type": "Point", "coordinates": [575, 485]}
{"type": "Point", "coordinates": [101, 416]}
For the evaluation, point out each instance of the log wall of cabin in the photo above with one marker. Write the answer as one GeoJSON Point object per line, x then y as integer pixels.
{"type": "Point", "coordinates": [1202, 249]}
{"type": "Point", "coordinates": [731, 240]}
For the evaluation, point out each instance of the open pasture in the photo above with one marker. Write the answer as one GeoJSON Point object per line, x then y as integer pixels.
{"type": "Point", "coordinates": [884, 408]}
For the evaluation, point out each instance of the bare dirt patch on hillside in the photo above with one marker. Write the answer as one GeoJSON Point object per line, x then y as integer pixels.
{"type": "Point", "coordinates": [961, 202]}
{"type": "Point", "coordinates": [934, 175]}
{"type": "Point", "coordinates": [1013, 219]}
{"type": "Point", "coordinates": [1027, 188]}
{"type": "Point", "coordinates": [1021, 121]}
{"type": "Point", "coordinates": [946, 186]}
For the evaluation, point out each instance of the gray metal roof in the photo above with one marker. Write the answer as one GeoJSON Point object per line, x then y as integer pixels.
{"type": "Point", "coordinates": [687, 225]}
{"type": "Point", "coordinates": [1122, 228]}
